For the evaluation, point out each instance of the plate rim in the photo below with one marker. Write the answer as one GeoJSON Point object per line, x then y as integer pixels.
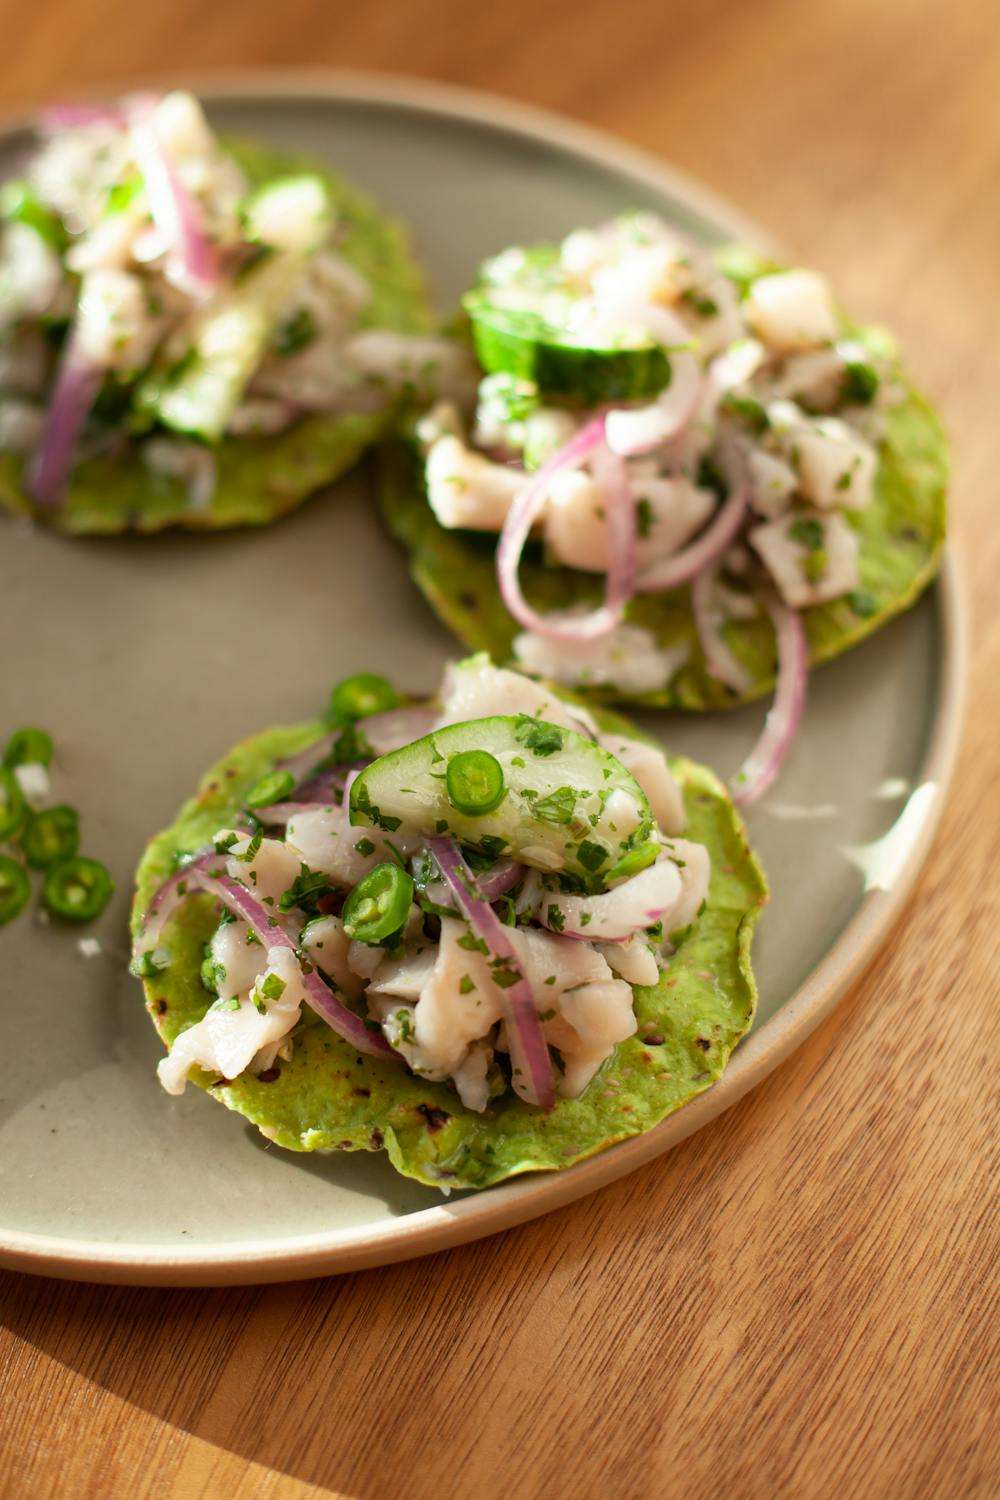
{"type": "Point", "coordinates": [503, 1207]}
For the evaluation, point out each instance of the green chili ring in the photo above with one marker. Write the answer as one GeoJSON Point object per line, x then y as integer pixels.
{"type": "Point", "coordinates": [378, 905]}
{"type": "Point", "coordinates": [272, 788]}
{"type": "Point", "coordinates": [50, 836]}
{"type": "Point", "coordinates": [15, 888]}
{"type": "Point", "coordinates": [474, 782]}
{"type": "Point", "coordinates": [77, 890]}
{"type": "Point", "coordinates": [363, 694]}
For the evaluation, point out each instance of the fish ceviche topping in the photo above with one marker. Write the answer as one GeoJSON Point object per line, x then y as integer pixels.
{"type": "Point", "coordinates": [661, 416]}
{"type": "Point", "coordinates": [469, 888]}
{"type": "Point", "coordinates": [149, 291]}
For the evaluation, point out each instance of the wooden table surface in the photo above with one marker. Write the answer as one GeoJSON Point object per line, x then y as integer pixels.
{"type": "Point", "coordinates": [802, 1299]}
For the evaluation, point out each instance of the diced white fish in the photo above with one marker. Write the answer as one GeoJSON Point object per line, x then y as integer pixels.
{"type": "Point", "coordinates": [600, 1016]}
{"type": "Point", "coordinates": [327, 947]}
{"type": "Point", "coordinates": [325, 841]}
{"type": "Point", "coordinates": [627, 658]}
{"type": "Point", "coordinates": [270, 873]}
{"type": "Point", "coordinates": [670, 511]}
{"type": "Point", "coordinates": [467, 490]}
{"type": "Point", "coordinates": [773, 482]}
{"type": "Point", "coordinates": [648, 765]}
{"type": "Point", "coordinates": [633, 961]}
{"type": "Point", "coordinates": [405, 976]}
{"type": "Point", "coordinates": [115, 326]}
{"type": "Point", "coordinates": [836, 466]}
{"type": "Point", "coordinates": [475, 689]}
{"type": "Point", "coordinates": [226, 1039]}
{"type": "Point", "coordinates": [294, 214]}
{"type": "Point", "coordinates": [470, 1077]}
{"type": "Point", "coordinates": [792, 310]}
{"type": "Point", "coordinates": [30, 275]}
{"type": "Point", "coordinates": [615, 915]}
{"type": "Point", "coordinates": [238, 957]}
{"type": "Point", "coordinates": [788, 558]}
{"type": "Point", "coordinates": [694, 863]}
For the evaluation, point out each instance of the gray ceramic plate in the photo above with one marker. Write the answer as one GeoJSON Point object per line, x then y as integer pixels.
{"type": "Point", "coordinates": [119, 648]}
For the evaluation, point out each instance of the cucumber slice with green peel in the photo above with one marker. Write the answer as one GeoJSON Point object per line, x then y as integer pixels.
{"type": "Point", "coordinates": [521, 316]}
{"type": "Point", "coordinates": [567, 805]}
{"type": "Point", "coordinates": [228, 341]}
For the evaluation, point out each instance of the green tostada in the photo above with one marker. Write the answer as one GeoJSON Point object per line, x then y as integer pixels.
{"type": "Point", "coordinates": [193, 331]}
{"type": "Point", "coordinates": [492, 933]}
{"type": "Point", "coordinates": [694, 454]}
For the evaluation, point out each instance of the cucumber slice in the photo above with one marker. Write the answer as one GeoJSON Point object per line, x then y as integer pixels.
{"type": "Point", "coordinates": [567, 807]}
{"type": "Point", "coordinates": [520, 311]}
{"type": "Point", "coordinates": [228, 342]}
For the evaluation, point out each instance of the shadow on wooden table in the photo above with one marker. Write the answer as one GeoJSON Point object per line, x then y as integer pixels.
{"type": "Point", "coordinates": [413, 1369]}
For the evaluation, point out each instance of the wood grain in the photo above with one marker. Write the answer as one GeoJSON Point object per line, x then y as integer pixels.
{"type": "Point", "coordinates": [802, 1300]}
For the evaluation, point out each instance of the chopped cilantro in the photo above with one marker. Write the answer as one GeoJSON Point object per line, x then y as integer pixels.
{"type": "Point", "coordinates": [466, 985]}
{"type": "Point", "coordinates": [807, 531]}
{"type": "Point", "coordinates": [556, 918]}
{"type": "Point", "coordinates": [592, 855]}
{"type": "Point", "coordinates": [557, 807]}
{"type": "Point", "coordinates": [644, 517]}
{"type": "Point", "coordinates": [472, 944]}
{"type": "Point", "coordinates": [365, 847]}
{"type": "Point", "coordinates": [306, 890]}
{"type": "Point", "coordinates": [297, 330]}
{"type": "Point", "coordinates": [538, 736]}
{"type": "Point", "coordinates": [273, 987]}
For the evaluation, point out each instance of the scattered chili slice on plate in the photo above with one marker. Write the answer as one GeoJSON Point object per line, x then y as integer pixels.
{"type": "Point", "coordinates": [77, 889]}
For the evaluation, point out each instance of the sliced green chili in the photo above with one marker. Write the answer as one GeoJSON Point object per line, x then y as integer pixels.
{"type": "Point", "coordinates": [28, 747]}
{"type": "Point", "coordinates": [474, 782]}
{"type": "Point", "coordinates": [274, 787]}
{"type": "Point", "coordinates": [378, 905]}
{"type": "Point", "coordinates": [15, 888]}
{"type": "Point", "coordinates": [365, 693]}
{"type": "Point", "coordinates": [13, 808]}
{"type": "Point", "coordinates": [51, 835]}
{"type": "Point", "coordinates": [77, 889]}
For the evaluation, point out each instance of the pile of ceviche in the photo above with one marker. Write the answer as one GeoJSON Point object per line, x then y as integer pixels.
{"type": "Point", "coordinates": [490, 933]}
{"type": "Point", "coordinates": [683, 473]}
{"type": "Point", "coordinates": [194, 330]}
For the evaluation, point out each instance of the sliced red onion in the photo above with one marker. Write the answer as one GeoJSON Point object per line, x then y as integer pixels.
{"type": "Point", "coordinates": [711, 544]}
{"type": "Point", "coordinates": [497, 882]}
{"type": "Point", "coordinates": [709, 619]}
{"type": "Point", "coordinates": [192, 260]}
{"type": "Point", "coordinates": [585, 444]}
{"type": "Point", "coordinates": [265, 927]}
{"type": "Point", "coordinates": [397, 727]}
{"type": "Point", "coordinates": [764, 762]}
{"type": "Point", "coordinates": [169, 897]}
{"type": "Point", "coordinates": [531, 1066]}
{"type": "Point", "coordinates": [73, 395]}
{"type": "Point", "coordinates": [615, 916]}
